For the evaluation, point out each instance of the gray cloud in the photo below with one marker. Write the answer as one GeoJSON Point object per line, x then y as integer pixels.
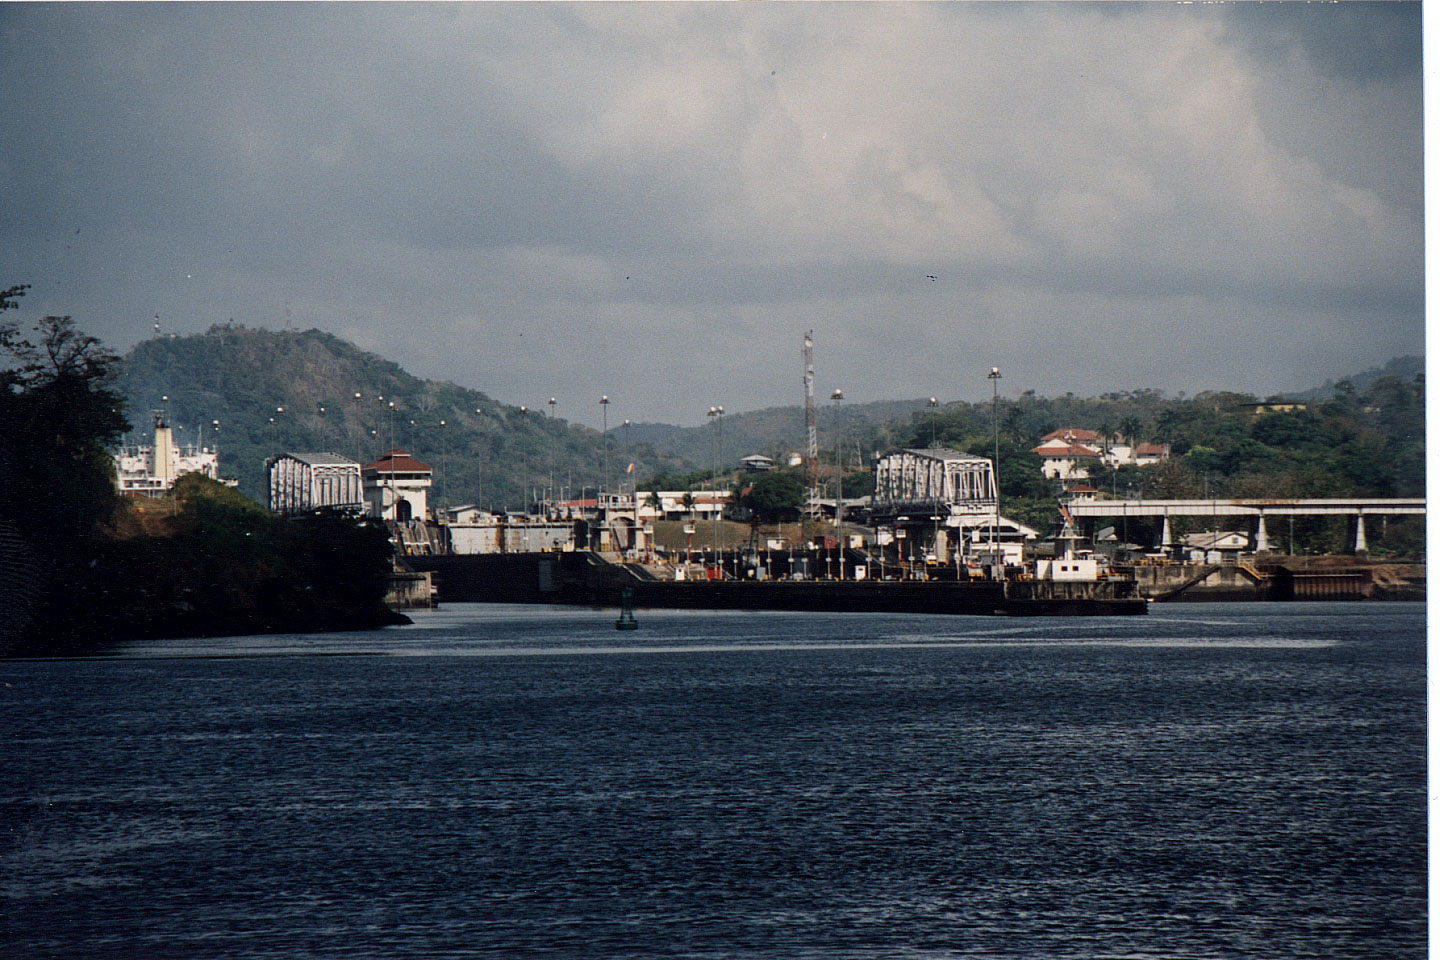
{"type": "Point", "coordinates": [655, 201]}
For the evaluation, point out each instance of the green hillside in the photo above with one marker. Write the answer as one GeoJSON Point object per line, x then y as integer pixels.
{"type": "Point", "coordinates": [274, 391]}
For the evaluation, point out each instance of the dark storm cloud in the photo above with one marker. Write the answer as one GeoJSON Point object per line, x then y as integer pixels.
{"type": "Point", "coordinates": [1351, 41]}
{"type": "Point", "coordinates": [657, 200]}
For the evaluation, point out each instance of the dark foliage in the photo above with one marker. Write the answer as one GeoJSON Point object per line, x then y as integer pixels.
{"type": "Point", "coordinates": [227, 569]}
{"type": "Point", "coordinates": [223, 565]}
{"type": "Point", "coordinates": [773, 497]}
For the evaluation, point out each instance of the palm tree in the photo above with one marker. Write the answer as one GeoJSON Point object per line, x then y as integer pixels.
{"type": "Point", "coordinates": [1107, 432]}
{"type": "Point", "coordinates": [1130, 427]}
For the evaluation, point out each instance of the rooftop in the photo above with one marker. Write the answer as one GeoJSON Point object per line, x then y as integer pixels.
{"type": "Point", "coordinates": [398, 461]}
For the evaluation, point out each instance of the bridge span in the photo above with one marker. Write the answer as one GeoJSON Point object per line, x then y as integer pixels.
{"type": "Point", "coordinates": [1090, 508]}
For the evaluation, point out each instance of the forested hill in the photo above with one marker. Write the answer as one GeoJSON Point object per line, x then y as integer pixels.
{"type": "Point", "coordinates": [274, 391]}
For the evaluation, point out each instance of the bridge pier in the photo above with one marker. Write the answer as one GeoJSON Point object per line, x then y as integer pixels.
{"type": "Point", "coordinates": [1362, 549]}
{"type": "Point", "coordinates": [1262, 541]}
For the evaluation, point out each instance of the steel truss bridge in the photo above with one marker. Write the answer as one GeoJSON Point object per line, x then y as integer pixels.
{"type": "Point", "coordinates": [1087, 508]}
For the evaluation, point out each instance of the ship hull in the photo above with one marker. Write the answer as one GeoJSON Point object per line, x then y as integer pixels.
{"type": "Point", "coordinates": [585, 579]}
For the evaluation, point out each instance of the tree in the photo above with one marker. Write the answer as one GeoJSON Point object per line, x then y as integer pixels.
{"type": "Point", "coordinates": [1107, 433]}
{"type": "Point", "coordinates": [1171, 480]}
{"type": "Point", "coordinates": [1131, 426]}
{"type": "Point", "coordinates": [58, 417]}
{"type": "Point", "coordinates": [773, 497]}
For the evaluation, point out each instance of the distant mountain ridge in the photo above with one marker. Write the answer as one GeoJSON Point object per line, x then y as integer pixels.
{"type": "Point", "coordinates": [1406, 368]}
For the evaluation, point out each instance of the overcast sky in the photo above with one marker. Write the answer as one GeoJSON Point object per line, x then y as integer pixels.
{"type": "Point", "coordinates": [656, 201]}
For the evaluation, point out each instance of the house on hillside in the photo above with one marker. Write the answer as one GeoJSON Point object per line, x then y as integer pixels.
{"type": "Point", "coordinates": [1067, 455]}
{"type": "Point", "coordinates": [1149, 454]}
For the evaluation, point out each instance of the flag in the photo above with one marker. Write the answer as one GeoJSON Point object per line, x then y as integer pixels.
{"type": "Point", "coordinates": [630, 469]}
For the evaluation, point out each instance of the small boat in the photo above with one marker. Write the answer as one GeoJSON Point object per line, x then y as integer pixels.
{"type": "Point", "coordinates": [626, 620]}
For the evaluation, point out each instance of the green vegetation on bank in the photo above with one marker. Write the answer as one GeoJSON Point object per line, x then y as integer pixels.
{"type": "Point", "coordinates": [82, 566]}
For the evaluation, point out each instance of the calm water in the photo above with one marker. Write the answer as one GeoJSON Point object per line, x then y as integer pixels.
{"type": "Point", "coordinates": [1209, 781]}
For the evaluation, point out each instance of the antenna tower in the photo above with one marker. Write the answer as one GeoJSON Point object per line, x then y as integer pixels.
{"type": "Point", "coordinates": [812, 449]}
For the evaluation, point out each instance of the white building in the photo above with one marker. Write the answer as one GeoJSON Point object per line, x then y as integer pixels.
{"type": "Point", "coordinates": [397, 487]}
{"type": "Point", "coordinates": [703, 504]}
{"type": "Point", "coordinates": [150, 471]}
{"type": "Point", "coordinates": [933, 504]}
{"type": "Point", "coordinates": [1067, 455]}
{"type": "Point", "coordinates": [1215, 546]}
{"type": "Point", "coordinates": [301, 482]}
{"type": "Point", "coordinates": [468, 513]}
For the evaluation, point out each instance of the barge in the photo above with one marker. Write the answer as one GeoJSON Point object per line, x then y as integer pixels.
{"type": "Point", "coordinates": [586, 578]}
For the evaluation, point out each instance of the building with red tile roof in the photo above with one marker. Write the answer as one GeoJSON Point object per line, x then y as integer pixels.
{"type": "Point", "coordinates": [397, 487]}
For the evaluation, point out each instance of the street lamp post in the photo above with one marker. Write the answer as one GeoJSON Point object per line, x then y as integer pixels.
{"type": "Point", "coordinates": [719, 414]}
{"type": "Point", "coordinates": [550, 481]}
{"type": "Point", "coordinates": [444, 477]}
{"type": "Point", "coordinates": [359, 448]}
{"type": "Point", "coordinates": [837, 396]}
{"type": "Point", "coordinates": [626, 425]}
{"type": "Point", "coordinates": [389, 405]}
{"type": "Point", "coordinates": [720, 462]}
{"type": "Point", "coordinates": [932, 403]}
{"type": "Point", "coordinates": [994, 378]}
{"type": "Point", "coordinates": [605, 444]}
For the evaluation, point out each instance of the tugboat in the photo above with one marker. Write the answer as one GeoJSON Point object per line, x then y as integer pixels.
{"type": "Point", "coordinates": [626, 620]}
